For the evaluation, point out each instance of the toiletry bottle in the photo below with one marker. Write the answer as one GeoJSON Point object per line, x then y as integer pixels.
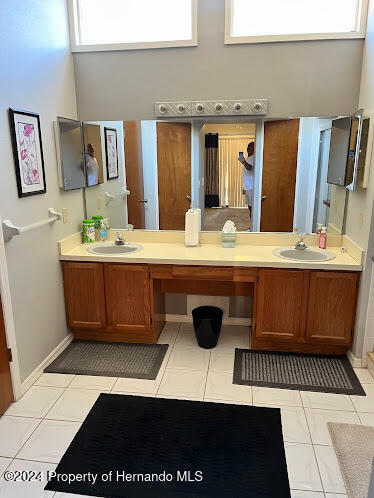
{"type": "Point", "coordinates": [319, 227]}
{"type": "Point", "coordinates": [103, 232]}
{"type": "Point", "coordinates": [323, 239]}
{"type": "Point", "coordinates": [97, 219]}
{"type": "Point", "coordinates": [88, 231]}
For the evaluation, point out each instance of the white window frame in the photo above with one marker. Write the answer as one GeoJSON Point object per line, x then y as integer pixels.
{"type": "Point", "coordinates": [75, 45]}
{"type": "Point", "coordinates": [361, 19]}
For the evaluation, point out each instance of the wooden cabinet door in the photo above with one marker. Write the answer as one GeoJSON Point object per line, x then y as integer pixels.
{"type": "Point", "coordinates": [331, 308]}
{"type": "Point", "coordinates": [127, 297]}
{"type": "Point", "coordinates": [282, 297]}
{"type": "Point", "coordinates": [84, 295]}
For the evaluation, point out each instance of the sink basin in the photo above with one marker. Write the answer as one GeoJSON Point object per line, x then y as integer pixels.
{"type": "Point", "coordinates": [310, 254]}
{"type": "Point", "coordinates": [111, 248]}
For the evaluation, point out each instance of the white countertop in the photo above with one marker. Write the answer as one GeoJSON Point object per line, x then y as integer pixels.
{"type": "Point", "coordinates": [209, 254]}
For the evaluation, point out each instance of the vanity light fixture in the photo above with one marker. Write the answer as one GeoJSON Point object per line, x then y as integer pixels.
{"type": "Point", "coordinates": [247, 107]}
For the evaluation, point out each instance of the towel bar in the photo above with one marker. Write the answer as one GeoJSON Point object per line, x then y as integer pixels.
{"type": "Point", "coordinates": [10, 230]}
{"type": "Point", "coordinates": [109, 197]}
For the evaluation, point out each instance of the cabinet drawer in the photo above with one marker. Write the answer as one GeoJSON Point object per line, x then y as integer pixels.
{"type": "Point", "coordinates": [203, 272]}
{"type": "Point", "coordinates": [245, 274]}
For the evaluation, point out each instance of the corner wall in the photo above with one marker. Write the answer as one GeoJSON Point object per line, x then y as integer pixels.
{"type": "Point", "coordinates": [360, 203]}
{"type": "Point", "coordinates": [37, 75]}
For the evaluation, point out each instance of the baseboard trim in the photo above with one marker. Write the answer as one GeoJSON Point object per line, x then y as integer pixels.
{"type": "Point", "coordinates": [355, 362]}
{"type": "Point", "coordinates": [34, 376]}
{"type": "Point", "coordinates": [229, 320]}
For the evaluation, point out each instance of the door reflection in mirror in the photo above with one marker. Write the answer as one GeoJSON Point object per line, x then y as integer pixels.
{"type": "Point", "coordinates": [279, 175]}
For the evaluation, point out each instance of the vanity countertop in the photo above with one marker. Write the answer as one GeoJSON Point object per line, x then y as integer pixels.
{"type": "Point", "coordinates": [175, 252]}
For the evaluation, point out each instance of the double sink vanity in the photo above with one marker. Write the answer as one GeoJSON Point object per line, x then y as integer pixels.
{"type": "Point", "coordinates": [117, 293]}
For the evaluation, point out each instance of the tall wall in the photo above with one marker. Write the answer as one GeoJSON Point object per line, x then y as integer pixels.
{"type": "Point", "coordinates": [318, 78]}
{"type": "Point", "coordinates": [360, 220]}
{"type": "Point", "coordinates": [37, 75]}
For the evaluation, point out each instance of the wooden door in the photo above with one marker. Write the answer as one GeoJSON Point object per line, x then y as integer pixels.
{"type": "Point", "coordinates": [84, 295]}
{"type": "Point", "coordinates": [174, 173]}
{"type": "Point", "coordinates": [6, 390]}
{"type": "Point", "coordinates": [282, 297]}
{"type": "Point", "coordinates": [279, 175]}
{"type": "Point", "coordinates": [127, 291]}
{"type": "Point", "coordinates": [134, 172]}
{"type": "Point", "coordinates": [332, 306]}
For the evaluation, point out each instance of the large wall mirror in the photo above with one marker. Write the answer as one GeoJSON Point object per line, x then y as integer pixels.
{"type": "Point", "coordinates": [285, 175]}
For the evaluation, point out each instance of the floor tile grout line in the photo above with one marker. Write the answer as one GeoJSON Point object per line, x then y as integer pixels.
{"type": "Point", "coordinates": [7, 467]}
{"type": "Point", "coordinates": [314, 451]}
{"type": "Point", "coordinates": [63, 392]}
{"type": "Point", "coordinates": [41, 420]}
{"type": "Point", "coordinates": [207, 372]}
{"type": "Point", "coordinates": [163, 373]}
{"type": "Point", "coordinates": [27, 440]}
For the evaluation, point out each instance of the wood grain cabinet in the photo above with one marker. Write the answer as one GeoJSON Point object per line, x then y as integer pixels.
{"type": "Point", "coordinates": [305, 310]}
{"type": "Point", "coordinates": [331, 306]}
{"type": "Point", "coordinates": [308, 311]}
{"type": "Point", "coordinates": [127, 292]}
{"type": "Point", "coordinates": [84, 295]}
{"type": "Point", "coordinates": [112, 302]}
{"type": "Point", "coordinates": [282, 304]}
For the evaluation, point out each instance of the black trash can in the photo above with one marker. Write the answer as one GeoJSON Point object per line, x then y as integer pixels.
{"type": "Point", "coordinates": [207, 322]}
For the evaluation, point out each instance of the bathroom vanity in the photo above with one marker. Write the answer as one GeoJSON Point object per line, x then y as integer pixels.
{"type": "Point", "coordinates": [302, 307]}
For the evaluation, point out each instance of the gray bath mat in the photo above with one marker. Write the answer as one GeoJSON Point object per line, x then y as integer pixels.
{"type": "Point", "coordinates": [354, 448]}
{"type": "Point", "coordinates": [302, 372]}
{"type": "Point", "coordinates": [110, 359]}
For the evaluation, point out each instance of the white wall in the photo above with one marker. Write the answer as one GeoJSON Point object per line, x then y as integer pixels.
{"type": "Point", "coordinates": [312, 78]}
{"type": "Point", "coordinates": [37, 75]}
{"type": "Point", "coordinates": [150, 177]}
{"type": "Point", "coordinates": [116, 210]}
{"type": "Point", "coordinates": [304, 165]}
{"type": "Point", "coordinates": [196, 179]}
{"type": "Point", "coordinates": [307, 171]}
{"type": "Point", "coordinates": [360, 220]}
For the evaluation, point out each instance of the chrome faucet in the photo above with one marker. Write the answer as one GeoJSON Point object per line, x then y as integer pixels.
{"type": "Point", "coordinates": [300, 244]}
{"type": "Point", "coordinates": [119, 240]}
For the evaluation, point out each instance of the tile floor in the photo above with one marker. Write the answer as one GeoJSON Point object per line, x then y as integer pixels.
{"type": "Point", "coordinates": [35, 431]}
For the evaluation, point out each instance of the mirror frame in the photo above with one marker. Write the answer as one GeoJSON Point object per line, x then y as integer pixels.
{"type": "Point", "coordinates": [352, 186]}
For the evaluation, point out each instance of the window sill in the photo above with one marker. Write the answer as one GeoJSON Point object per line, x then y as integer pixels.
{"type": "Point", "coordinates": [231, 40]}
{"type": "Point", "coordinates": [133, 46]}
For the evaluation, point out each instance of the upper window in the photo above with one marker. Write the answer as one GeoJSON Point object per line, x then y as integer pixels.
{"type": "Point", "coordinates": [253, 21]}
{"type": "Point", "coordinates": [132, 24]}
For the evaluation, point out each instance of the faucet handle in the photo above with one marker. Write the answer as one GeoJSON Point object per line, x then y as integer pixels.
{"type": "Point", "coordinates": [119, 240]}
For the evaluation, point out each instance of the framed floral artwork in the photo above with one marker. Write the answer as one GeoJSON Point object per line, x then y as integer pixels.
{"type": "Point", "coordinates": [111, 153]}
{"type": "Point", "coordinates": [28, 152]}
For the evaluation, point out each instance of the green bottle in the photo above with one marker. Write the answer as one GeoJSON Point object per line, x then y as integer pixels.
{"type": "Point", "coordinates": [88, 231]}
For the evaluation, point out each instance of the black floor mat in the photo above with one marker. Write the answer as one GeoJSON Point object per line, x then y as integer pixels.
{"type": "Point", "coordinates": [235, 450]}
{"type": "Point", "coordinates": [302, 372]}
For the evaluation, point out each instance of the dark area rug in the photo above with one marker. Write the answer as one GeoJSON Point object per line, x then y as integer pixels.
{"type": "Point", "coordinates": [166, 448]}
{"type": "Point", "coordinates": [302, 372]}
{"type": "Point", "coordinates": [110, 359]}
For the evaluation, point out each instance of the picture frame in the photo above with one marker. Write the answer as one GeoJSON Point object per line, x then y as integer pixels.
{"type": "Point", "coordinates": [111, 153]}
{"type": "Point", "coordinates": [28, 152]}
